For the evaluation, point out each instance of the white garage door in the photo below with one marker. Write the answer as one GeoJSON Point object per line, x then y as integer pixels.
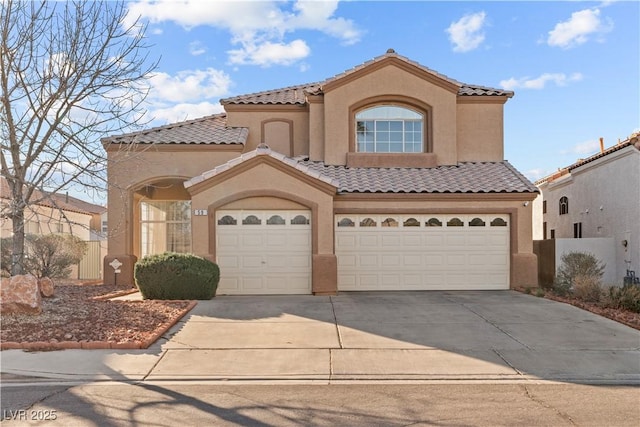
{"type": "Point", "coordinates": [264, 252]}
{"type": "Point", "coordinates": [422, 252]}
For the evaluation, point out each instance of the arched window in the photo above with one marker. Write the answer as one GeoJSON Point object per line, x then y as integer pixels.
{"type": "Point", "coordinates": [564, 205]}
{"type": "Point", "coordinates": [389, 129]}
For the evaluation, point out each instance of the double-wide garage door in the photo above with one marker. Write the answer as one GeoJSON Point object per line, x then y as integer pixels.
{"type": "Point", "coordinates": [422, 252]}
{"type": "Point", "coordinates": [264, 252]}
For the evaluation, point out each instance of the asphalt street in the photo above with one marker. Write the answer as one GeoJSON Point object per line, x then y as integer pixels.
{"type": "Point", "coordinates": [375, 404]}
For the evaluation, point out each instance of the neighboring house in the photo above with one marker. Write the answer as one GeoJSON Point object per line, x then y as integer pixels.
{"type": "Point", "coordinates": [54, 213]}
{"type": "Point", "coordinates": [596, 197]}
{"type": "Point", "coordinates": [61, 213]}
{"type": "Point", "coordinates": [389, 176]}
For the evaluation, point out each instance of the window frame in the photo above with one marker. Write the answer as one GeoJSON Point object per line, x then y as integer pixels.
{"type": "Point", "coordinates": [401, 101]}
{"type": "Point", "coordinates": [148, 247]}
{"type": "Point", "coordinates": [563, 205]}
{"type": "Point", "coordinates": [383, 129]}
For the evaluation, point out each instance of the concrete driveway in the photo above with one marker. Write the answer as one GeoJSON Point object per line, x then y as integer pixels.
{"type": "Point", "coordinates": [492, 336]}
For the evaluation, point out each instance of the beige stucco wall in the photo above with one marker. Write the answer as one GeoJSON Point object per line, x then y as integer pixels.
{"type": "Point", "coordinates": [480, 130]}
{"type": "Point", "coordinates": [278, 189]}
{"type": "Point", "coordinates": [130, 170]}
{"type": "Point", "coordinates": [395, 82]}
{"type": "Point", "coordinates": [255, 118]}
{"type": "Point", "coordinates": [46, 220]}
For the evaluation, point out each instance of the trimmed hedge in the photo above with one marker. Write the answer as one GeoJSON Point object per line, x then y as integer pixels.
{"type": "Point", "coordinates": [171, 276]}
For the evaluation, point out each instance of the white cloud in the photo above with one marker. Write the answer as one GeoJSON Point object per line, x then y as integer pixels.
{"type": "Point", "coordinates": [257, 27]}
{"type": "Point", "coordinates": [186, 95]}
{"type": "Point", "coordinates": [584, 148]}
{"type": "Point", "coordinates": [184, 111]}
{"type": "Point", "coordinates": [268, 53]}
{"type": "Point", "coordinates": [189, 85]}
{"type": "Point", "coordinates": [197, 48]}
{"type": "Point", "coordinates": [536, 174]}
{"type": "Point", "coordinates": [578, 29]}
{"type": "Point", "coordinates": [560, 79]}
{"type": "Point", "coordinates": [466, 34]}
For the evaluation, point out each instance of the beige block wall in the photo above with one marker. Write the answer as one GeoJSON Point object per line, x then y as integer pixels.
{"type": "Point", "coordinates": [399, 83]}
{"type": "Point", "coordinates": [480, 131]}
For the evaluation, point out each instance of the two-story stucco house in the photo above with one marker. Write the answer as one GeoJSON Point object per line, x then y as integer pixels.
{"type": "Point", "coordinates": [388, 176]}
{"type": "Point", "coordinates": [596, 197]}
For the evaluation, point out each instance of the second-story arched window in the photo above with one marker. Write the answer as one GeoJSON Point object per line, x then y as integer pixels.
{"type": "Point", "coordinates": [564, 205]}
{"type": "Point", "coordinates": [389, 129]}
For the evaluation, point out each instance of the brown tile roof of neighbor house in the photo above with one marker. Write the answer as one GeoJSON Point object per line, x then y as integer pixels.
{"type": "Point", "coordinates": [296, 95]}
{"type": "Point", "coordinates": [205, 130]}
{"type": "Point", "coordinates": [56, 200]}
{"type": "Point", "coordinates": [467, 177]}
{"type": "Point", "coordinates": [633, 141]}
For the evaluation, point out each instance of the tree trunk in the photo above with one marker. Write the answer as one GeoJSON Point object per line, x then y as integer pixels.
{"type": "Point", "coordinates": [17, 257]}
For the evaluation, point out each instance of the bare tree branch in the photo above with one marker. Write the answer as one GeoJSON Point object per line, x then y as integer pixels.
{"type": "Point", "coordinates": [71, 73]}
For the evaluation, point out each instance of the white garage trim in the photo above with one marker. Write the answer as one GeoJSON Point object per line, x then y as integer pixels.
{"type": "Point", "coordinates": [263, 252]}
{"type": "Point", "coordinates": [422, 252]}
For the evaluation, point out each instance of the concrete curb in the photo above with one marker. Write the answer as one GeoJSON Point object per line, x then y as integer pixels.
{"type": "Point", "coordinates": [98, 345]}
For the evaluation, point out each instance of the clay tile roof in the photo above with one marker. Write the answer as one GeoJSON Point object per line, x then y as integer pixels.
{"type": "Point", "coordinates": [292, 95]}
{"type": "Point", "coordinates": [469, 177]}
{"type": "Point", "coordinates": [262, 150]}
{"type": "Point", "coordinates": [206, 130]}
{"type": "Point", "coordinates": [295, 95]}
{"type": "Point", "coordinates": [633, 142]}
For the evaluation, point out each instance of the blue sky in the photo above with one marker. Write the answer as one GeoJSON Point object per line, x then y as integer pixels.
{"type": "Point", "coordinates": [574, 66]}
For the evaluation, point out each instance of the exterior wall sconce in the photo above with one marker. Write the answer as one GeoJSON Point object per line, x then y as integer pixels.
{"type": "Point", "coordinates": [525, 204]}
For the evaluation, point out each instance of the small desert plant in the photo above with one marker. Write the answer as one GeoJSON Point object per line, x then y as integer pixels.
{"type": "Point", "coordinates": [587, 288]}
{"type": "Point", "coordinates": [574, 264]}
{"type": "Point", "coordinates": [540, 292]}
{"type": "Point", "coordinates": [626, 297]}
{"type": "Point", "coordinates": [176, 276]}
{"type": "Point", "coordinates": [52, 255]}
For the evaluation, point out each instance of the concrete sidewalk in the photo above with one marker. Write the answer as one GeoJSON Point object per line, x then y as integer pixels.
{"type": "Point", "coordinates": [492, 336]}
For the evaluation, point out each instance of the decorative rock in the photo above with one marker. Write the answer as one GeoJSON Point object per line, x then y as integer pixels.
{"type": "Point", "coordinates": [21, 294]}
{"type": "Point", "coordinates": [46, 287]}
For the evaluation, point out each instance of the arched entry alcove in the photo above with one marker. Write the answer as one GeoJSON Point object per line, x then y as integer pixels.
{"type": "Point", "coordinates": [161, 217]}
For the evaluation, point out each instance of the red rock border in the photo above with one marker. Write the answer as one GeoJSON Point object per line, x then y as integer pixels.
{"type": "Point", "coordinates": [98, 345]}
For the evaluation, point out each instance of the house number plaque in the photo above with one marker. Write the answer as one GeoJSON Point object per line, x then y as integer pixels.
{"type": "Point", "coordinates": [199, 212]}
{"type": "Point", "coordinates": [116, 264]}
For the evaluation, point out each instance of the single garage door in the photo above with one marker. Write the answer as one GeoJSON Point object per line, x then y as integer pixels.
{"type": "Point", "coordinates": [422, 252]}
{"type": "Point", "coordinates": [263, 252]}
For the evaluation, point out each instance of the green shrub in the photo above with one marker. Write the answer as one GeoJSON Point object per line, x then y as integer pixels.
{"type": "Point", "coordinates": [574, 264]}
{"type": "Point", "coordinates": [176, 276]}
{"type": "Point", "coordinates": [626, 297]}
{"type": "Point", "coordinates": [540, 292]}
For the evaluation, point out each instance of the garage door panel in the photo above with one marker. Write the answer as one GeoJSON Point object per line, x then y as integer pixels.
{"type": "Point", "coordinates": [389, 260]}
{"type": "Point", "coordinates": [367, 240]}
{"type": "Point", "coordinates": [440, 256]}
{"type": "Point", "coordinates": [228, 262]}
{"type": "Point", "coordinates": [368, 261]}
